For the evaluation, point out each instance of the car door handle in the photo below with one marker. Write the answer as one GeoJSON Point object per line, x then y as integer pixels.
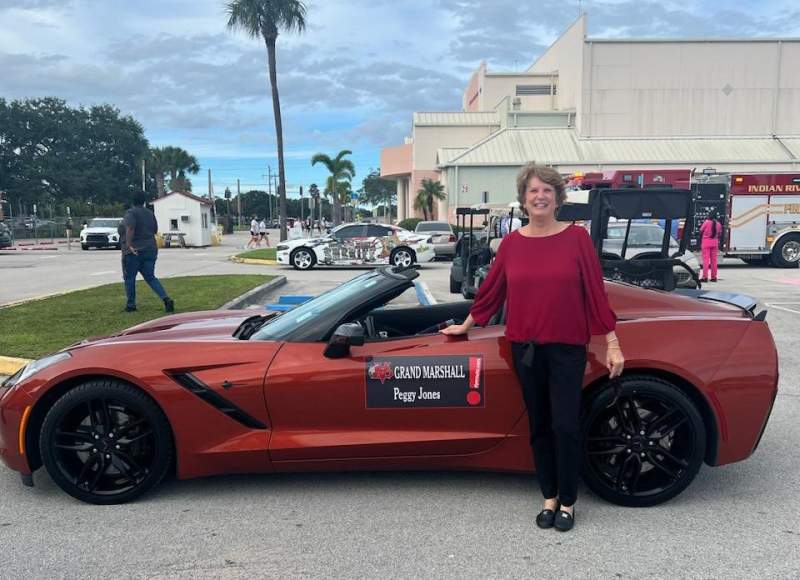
{"type": "Point", "coordinates": [227, 384]}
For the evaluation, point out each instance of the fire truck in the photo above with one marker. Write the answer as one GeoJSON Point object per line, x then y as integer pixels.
{"type": "Point", "coordinates": [759, 212]}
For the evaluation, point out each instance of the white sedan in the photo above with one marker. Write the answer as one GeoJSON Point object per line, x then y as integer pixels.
{"type": "Point", "coordinates": [357, 245]}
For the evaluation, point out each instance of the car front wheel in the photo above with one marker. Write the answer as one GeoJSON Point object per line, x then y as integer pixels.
{"type": "Point", "coordinates": [402, 257]}
{"type": "Point", "coordinates": [106, 442]}
{"type": "Point", "coordinates": [302, 259]}
{"type": "Point", "coordinates": [645, 448]}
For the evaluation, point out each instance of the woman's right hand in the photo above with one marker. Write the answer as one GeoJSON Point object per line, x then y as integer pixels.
{"type": "Point", "coordinates": [457, 329]}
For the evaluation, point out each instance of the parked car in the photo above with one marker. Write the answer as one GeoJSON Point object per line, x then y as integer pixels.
{"type": "Point", "coordinates": [357, 244]}
{"type": "Point", "coordinates": [6, 240]}
{"type": "Point", "coordinates": [646, 238]}
{"type": "Point", "coordinates": [442, 237]}
{"type": "Point", "coordinates": [356, 378]}
{"type": "Point", "coordinates": [101, 233]}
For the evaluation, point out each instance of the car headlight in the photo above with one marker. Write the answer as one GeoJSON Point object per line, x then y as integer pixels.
{"type": "Point", "coordinates": [113, 237]}
{"type": "Point", "coordinates": [32, 368]}
{"type": "Point", "coordinates": [281, 248]}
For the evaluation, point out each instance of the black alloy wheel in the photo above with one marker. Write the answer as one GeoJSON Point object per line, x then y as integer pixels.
{"type": "Point", "coordinates": [647, 447]}
{"type": "Point", "coordinates": [105, 442]}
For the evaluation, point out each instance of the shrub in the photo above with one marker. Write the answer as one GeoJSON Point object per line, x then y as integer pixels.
{"type": "Point", "coordinates": [409, 224]}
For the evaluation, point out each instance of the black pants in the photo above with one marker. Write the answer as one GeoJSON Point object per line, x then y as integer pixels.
{"type": "Point", "coordinates": [551, 386]}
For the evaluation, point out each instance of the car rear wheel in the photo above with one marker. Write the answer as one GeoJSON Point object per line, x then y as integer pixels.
{"type": "Point", "coordinates": [644, 449]}
{"type": "Point", "coordinates": [84, 246]}
{"type": "Point", "coordinates": [455, 286]}
{"type": "Point", "coordinates": [786, 253]}
{"type": "Point", "coordinates": [302, 259]}
{"type": "Point", "coordinates": [402, 257]}
{"type": "Point", "coordinates": [105, 442]}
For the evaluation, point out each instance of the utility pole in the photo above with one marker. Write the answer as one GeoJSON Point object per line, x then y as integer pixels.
{"type": "Point", "coordinates": [144, 185]}
{"type": "Point", "coordinates": [239, 201]}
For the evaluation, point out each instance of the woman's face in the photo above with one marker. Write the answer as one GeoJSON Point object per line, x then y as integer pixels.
{"type": "Point", "coordinates": [540, 198]}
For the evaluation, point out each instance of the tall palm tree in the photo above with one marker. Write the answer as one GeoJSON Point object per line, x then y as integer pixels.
{"type": "Point", "coordinates": [156, 164]}
{"type": "Point", "coordinates": [265, 19]}
{"type": "Point", "coordinates": [429, 191]}
{"type": "Point", "coordinates": [339, 168]}
{"type": "Point", "coordinates": [344, 192]}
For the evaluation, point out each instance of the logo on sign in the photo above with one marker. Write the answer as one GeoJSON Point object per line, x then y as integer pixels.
{"type": "Point", "coordinates": [381, 371]}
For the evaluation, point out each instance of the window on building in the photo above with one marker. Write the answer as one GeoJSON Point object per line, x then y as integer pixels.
{"type": "Point", "coordinates": [173, 224]}
{"type": "Point", "coordinates": [525, 90]}
{"type": "Point", "coordinates": [205, 220]}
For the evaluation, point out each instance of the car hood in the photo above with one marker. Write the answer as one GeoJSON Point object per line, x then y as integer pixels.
{"type": "Point", "coordinates": [99, 231]}
{"type": "Point", "coordinates": [631, 302]}
{"type": "Point", "coordinates": [192, 326]}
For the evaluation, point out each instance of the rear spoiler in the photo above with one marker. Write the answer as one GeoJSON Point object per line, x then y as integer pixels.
{"type": "Point", "coordinates": [746, 303]}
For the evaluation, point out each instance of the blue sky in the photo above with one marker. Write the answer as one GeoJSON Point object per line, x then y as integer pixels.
{"type": "Point", "coordinates": [352, 80]}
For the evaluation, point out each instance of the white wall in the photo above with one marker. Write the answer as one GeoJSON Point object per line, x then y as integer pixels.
{"type": "Point", "coordinates": [495, 87]}
{"type": "Point", "coordinates": [565, 56]}
{"type": "Point", "coordinates": [690, 88]}
{"type": "Point", "coordinates": [429, 139]}
{"type": "Point", "coordinates": [173, 207]}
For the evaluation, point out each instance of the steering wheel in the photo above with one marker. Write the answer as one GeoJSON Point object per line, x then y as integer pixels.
{"type": "Point", "coordinates": [368, 322]}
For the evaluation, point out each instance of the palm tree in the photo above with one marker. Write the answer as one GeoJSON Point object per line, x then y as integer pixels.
{"type": "Point", "coordinates": [344, 193]}
{"type": "Point", "coordinates": [430, 190]}
{"type": "Point", "coordinates": [175, 161]}
{"type": "Point", "coordinates": [265, 19]}
{"type": "Point", "coordinates": [339, 168]}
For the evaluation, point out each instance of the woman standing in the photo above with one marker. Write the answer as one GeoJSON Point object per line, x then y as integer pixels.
{"type": "Point", "coordinates": [550, 278]}
{"type": "Point", "coordinates": [710, 233]}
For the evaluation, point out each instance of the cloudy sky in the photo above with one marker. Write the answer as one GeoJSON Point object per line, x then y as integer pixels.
{"type": "Point", "coordinates": [352, 80]}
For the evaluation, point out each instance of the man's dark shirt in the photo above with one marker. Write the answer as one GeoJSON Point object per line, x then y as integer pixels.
{"type": "Point", "coordinates": [144, 225]}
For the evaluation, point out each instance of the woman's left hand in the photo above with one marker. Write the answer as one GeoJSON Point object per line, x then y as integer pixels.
{"type": "Point", "coordinates": [615, 361]}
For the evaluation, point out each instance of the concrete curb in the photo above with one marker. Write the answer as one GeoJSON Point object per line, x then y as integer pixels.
{"type": "Point", "coordinates": [255, 296]}
{"type": "Point", "coordinates": [239, 260]}
{"type": "Point", "coordinates": [9, 364]}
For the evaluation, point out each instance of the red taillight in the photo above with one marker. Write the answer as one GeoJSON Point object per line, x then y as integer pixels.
{"type": "Point", "coordinates": [452, 238]}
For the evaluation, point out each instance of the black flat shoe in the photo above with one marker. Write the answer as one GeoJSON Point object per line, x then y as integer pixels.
{"type": "Point", "coordinates": [169, 305]}
{"type": "Point", "coordinates": [130, 309]}
{"type": "Point", "coordinates": [545, 519]}
{"type": "Point", "coordinates": [564, 521]}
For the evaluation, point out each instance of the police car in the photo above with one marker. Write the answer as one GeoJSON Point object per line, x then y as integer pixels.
{"type": "Point", "coordinates": [357, 244]}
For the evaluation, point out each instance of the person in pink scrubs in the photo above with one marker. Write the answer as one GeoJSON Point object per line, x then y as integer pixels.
{"type": "Point", "coordinates": [710, 232]}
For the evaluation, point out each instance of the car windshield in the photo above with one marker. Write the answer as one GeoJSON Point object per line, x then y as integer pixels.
{"type": "Point", "coordinates": [433, 227]}
{"type": "Point", "coordinates": [104, 223]}
{"type": "Point", "coordinates": [278, 327]}
{"type": "Point", "coordinates": [641, 235]}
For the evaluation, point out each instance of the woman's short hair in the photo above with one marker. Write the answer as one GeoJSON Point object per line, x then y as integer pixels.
{"type": "Point", "coordinates": [547, 175]}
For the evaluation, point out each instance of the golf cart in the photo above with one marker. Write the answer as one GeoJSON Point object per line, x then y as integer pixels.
{"type": "Point", "coordinates": [475, 251]}
{"type": "Point", "coordinates": [657, 268]}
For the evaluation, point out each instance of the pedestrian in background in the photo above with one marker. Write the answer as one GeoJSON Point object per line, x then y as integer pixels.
{"type": "Point", "coordinates": [262, 232]}
{"type": "Point", "coordinates": [140, 252]}
{"type": "Point", "coordinates": [253, 233]}
{"type": "Point", "coordinates": [549, 276]}
{"type": "Point", "coordinates": [710, 232]}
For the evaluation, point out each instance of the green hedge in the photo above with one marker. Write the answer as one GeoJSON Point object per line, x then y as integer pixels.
{"type": "Point", "coordinates": [409, 224]}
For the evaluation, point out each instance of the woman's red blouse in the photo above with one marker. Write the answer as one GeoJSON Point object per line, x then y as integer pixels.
{"type": "Point", "coordinates": [553, 288]}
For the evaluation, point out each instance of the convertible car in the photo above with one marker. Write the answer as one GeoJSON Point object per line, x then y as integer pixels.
{"type": "Point", "coordinates": [360, 379]}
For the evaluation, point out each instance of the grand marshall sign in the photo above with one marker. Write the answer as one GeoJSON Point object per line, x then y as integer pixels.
{"type": "Point", "coordinates": [442, 381]}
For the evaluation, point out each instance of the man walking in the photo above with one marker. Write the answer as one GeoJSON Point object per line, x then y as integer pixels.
{"type": "Point", "coordinates": [139, 252]}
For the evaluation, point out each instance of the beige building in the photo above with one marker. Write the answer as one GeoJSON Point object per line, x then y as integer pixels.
{"type": "Point", "coordinates": [593, 104]}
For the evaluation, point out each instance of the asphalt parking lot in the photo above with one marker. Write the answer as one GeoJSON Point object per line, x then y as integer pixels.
{"type": "Point", "coordinates": [736, 521]}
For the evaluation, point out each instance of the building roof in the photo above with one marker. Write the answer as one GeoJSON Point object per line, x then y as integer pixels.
{"type": "Point", "coordinates": [204, 200]}
{"type": "Point", "coordinates": [445, 118]}
{"type": "Point", "coordinates": [445, 154]}
{"type": "Point", "coordinates": [517, 146]}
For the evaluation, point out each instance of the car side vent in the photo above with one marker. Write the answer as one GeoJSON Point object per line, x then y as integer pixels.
{"type": "Point", "coordinates": [198, 388]}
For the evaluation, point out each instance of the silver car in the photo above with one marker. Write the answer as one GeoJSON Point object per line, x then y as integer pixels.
{"type": "Point", "coordinates": [646, 238]}
{"type": "Point", "coordinates": [442, 237]}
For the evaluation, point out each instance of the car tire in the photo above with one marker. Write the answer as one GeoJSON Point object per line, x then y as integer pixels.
{"type": "Point", "coordinates": [455, 286]}
{"type": "Point", "coordinates": [106, 442]}
{"type": "Point", "coordinates": [630, 469]}
{"type": "Point", "coordinates": [84, 246]}
{"type": "Point", "coordinates": [786, 253]}
{"type": "Point", "coordinates": [402, 257]}
{"type": "Point", "coordinates": [302, 259]}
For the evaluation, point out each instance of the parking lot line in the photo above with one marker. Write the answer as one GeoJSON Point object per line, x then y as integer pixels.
{"type": "Point", "coordinates": [103, 273]}
{"type": "Point", "coordinates": [785, 306]}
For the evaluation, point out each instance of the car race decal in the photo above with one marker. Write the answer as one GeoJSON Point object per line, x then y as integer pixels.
{"type": "Point", "coordinates": [424, 381]}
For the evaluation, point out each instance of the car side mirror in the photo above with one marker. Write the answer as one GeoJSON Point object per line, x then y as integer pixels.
{"type": "Point", "coordinates": [347, 335]}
